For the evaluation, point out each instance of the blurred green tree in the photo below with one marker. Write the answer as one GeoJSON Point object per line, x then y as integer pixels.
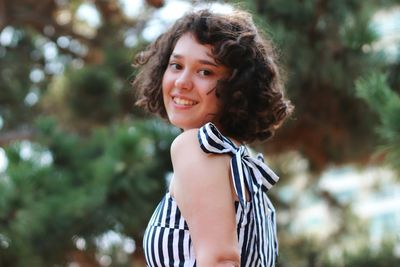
{"type": "Point", "coordinates": [326, 46]}
{"type": "Point", "coordinates": [384, 101]}
{"type": "Point", "coordinates": [83, 161]}
{"type": "Point", "coordinates": [65, 187]}
{"type": "Point", "coordinates": [367, 256]}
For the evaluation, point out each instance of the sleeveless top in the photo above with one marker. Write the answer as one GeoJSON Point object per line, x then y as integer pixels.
{"type": "Point", "coordinates": [167, 240]}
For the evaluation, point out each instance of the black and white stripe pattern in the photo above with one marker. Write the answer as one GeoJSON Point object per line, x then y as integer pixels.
{"type": "Point", "coordinates": [167, 239]}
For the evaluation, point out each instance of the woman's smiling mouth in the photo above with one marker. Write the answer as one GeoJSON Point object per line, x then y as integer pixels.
{"type": "Point", "coordinates": [183, 101]}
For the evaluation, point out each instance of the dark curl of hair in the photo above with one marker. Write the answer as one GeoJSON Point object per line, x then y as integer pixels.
{"type": "Point", "coordinates": [253, 105]}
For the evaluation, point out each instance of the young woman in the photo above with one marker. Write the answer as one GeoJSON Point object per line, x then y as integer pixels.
{"type": "Point", "coordinates": [215, 77]}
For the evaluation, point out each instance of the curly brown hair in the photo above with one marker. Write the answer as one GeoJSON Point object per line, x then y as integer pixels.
{"type": "Point", "coordinates": [253, 105]}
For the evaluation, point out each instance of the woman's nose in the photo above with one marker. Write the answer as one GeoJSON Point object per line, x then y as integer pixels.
{"type": "Point", "coordinates": [184, 81]}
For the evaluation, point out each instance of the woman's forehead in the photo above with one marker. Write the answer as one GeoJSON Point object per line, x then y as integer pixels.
{"type": "Point", "coordinates": [187, 45]}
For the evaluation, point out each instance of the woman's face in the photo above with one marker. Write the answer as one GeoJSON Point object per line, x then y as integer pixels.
{"type": "Point", "coordinates": [189, 84]}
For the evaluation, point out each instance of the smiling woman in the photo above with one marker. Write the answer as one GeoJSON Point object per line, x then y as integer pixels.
{"type": "Point", "coordinates": [215, 77]}
{"type": "Point", "coordinates": [188, 84]}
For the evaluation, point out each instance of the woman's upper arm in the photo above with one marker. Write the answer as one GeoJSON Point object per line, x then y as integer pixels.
{"type": "Point", "coordinates": [202, 190]}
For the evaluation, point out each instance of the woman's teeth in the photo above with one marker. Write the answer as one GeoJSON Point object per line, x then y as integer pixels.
{"type": "Point", "coordinates": [184, 102]}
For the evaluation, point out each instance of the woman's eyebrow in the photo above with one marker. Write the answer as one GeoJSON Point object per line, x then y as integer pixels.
{"type": "Point", "coordinates": [207, 62]}
{"type": "Point", "coordinates": [202, 61]}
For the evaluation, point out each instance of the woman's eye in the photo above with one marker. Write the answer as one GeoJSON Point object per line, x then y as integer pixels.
{"type": "Point", "coordinates": [205, 73]}
{"type": "Point", "coordinates": [175, 66]}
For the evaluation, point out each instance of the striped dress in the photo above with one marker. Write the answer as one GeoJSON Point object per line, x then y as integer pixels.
{"type": "Point", "coordinates": [167, 240]}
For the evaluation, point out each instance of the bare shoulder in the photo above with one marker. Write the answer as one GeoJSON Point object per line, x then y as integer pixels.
{"type": "Point", "coordinates": [193, 167]}
{"type": "Point", "coordinates": [186, 151]}
{"type": "Point", "coordinates": [185, 141]}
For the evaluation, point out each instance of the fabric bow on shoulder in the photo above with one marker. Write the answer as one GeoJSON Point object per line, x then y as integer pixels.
{"type": "Point", "coordinates": [254, 176]}
{"type": "Point", "coordinates": [242, 164]}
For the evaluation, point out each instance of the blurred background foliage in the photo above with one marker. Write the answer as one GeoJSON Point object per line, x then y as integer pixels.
{"type": "Point", "coordinates": [81, 168]}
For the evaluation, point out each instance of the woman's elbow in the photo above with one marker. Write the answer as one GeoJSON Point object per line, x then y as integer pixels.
{"type": "Point", "coordinates": [228, 263]}
{"type": "Point", "coordinates": [233, 262]}
{"type": "Point", "coordinates": [218, 259]}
